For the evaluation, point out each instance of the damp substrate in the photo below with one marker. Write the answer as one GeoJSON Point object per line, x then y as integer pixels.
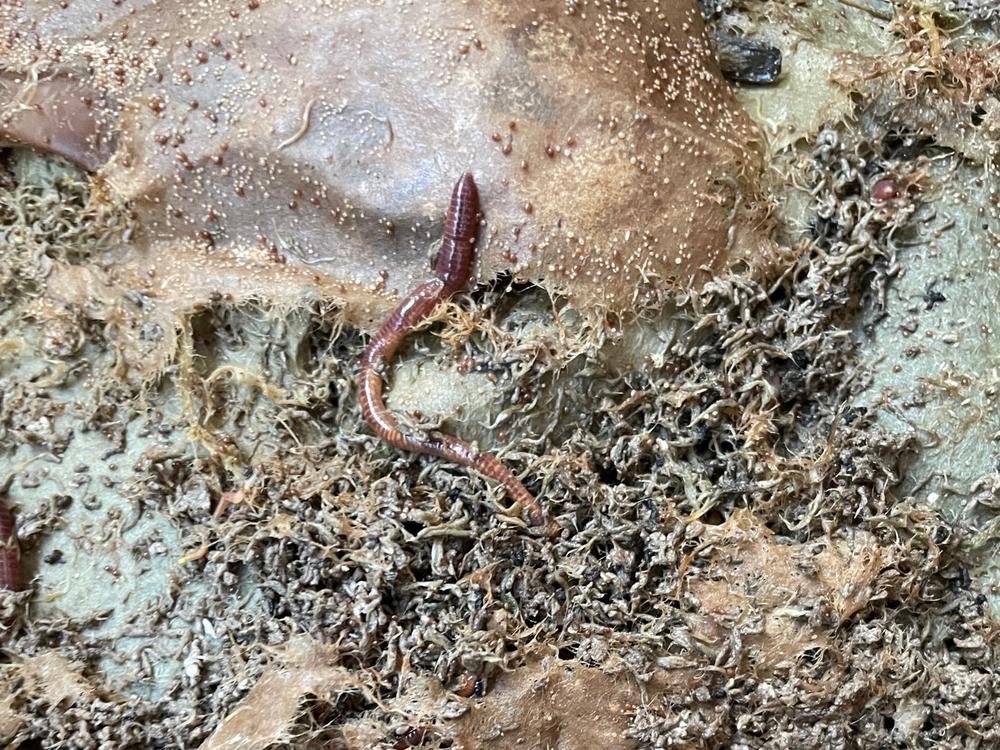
{"type": "Point", "coordinates": [777, 498]}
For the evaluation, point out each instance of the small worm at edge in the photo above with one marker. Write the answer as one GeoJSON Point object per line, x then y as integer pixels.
{"type": "Point", "coordinates": [10, 554]}
{"type": "Point", "coordinates": [452, 270]}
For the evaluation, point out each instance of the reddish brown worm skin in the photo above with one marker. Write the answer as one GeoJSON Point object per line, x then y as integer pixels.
{"type": "Point", "coordinates": [452, 271]}
{"type": "Point", "coordinates": [10, 554]}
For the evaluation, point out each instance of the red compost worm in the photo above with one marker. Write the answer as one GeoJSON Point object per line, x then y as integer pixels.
{"type": "Point", "coordinates": [452, 271]}
{"type": "Point", "coordinates": [10, 556]}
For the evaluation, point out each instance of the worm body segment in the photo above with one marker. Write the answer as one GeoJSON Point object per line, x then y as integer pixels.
{"type": "Point", "coordinates": [452, 270]}
{"type": "Point", "coordinates": [10, 555]}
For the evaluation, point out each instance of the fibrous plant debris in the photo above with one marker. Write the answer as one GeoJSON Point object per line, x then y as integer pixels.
{"type": "Point", "coordinates": [732, 554]}
{"type": "Point", "coordinates": [976, 10]}
{"type": "Point", "coordinates": [934, 86]}
{"type": "Point", "coordinates": [736, 567]}
{"type": "Point", "coordinates": [263, 717]}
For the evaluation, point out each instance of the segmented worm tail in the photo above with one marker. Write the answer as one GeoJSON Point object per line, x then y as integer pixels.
{"type": "Point", "coordinates": [10, 553]}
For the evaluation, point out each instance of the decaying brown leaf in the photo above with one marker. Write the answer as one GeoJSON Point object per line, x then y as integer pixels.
{"type": "Point", "coordinates": [272, 705]}
{"type": "Point", "coordinates": [551, 704]}
{"type": "Point", "coordinates": [48, 676]}
{"type": "Point", "coordinates": [795, 594]}
{"type": "Point", "coordinates": [612, 158]}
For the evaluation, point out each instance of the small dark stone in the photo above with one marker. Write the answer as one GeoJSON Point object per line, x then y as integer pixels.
{"type": "Point", "coordinates": [748, 61]}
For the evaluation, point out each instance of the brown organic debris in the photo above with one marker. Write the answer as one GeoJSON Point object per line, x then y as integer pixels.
{"type": "Point", "coordinates": [613, 160]}
{"type": "Point", "coordinates": [551, 704]}
{"type": "Point", "coordinates": [266, 715]}
{"type": "Point", "coordinates": [787, 598]}
{"type": "Point", "coordinates": [49, 678]}
{"type": "Point", "coordinates": [736, 565]}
